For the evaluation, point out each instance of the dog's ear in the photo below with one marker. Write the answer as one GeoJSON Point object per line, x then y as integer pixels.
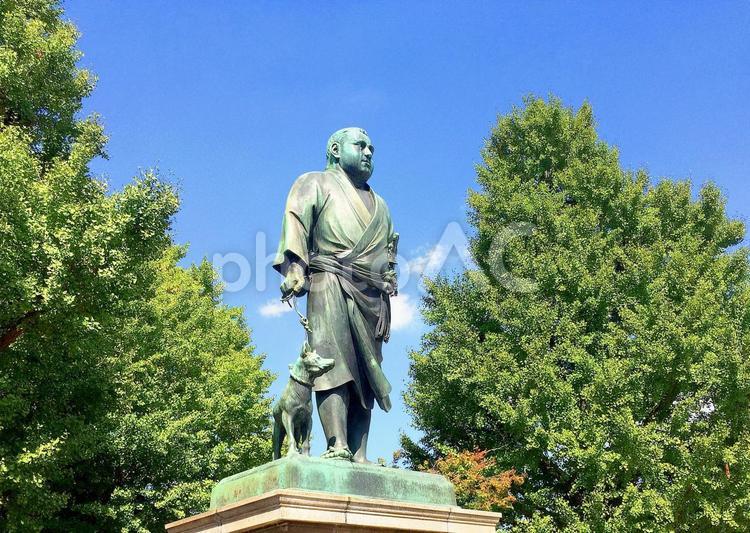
{"type": "Point", "coordinates": [305, 349]}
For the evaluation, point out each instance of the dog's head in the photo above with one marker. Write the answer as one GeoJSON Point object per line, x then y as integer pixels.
{"type": "Point", "coordinates": [315, 365]}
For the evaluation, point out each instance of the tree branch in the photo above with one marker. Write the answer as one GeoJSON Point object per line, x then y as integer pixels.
{"type": "Point", "coordinates": [10, 332]}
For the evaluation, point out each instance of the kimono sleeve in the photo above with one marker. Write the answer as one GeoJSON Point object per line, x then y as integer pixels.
{"type": "Point", "coordinates": [297, 225]}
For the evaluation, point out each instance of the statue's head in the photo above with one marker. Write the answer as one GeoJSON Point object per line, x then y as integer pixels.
{"type": "Point", "coordinates": [351, 149]}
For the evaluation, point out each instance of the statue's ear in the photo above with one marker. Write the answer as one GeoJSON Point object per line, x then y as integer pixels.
{"type": "Point", "coordinates": [291, 367]}
{"type": "Point", "coordinates": [335, 149]}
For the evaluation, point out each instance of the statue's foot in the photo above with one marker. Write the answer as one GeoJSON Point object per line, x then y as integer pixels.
{"type": "Point", "coordinates": [338, 453]}
{"type": "Point", "coordinates": [362, 460]}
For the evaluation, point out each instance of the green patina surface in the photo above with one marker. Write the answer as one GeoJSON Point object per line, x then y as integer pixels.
{"type": "Point", "coordinates": [340, 477]}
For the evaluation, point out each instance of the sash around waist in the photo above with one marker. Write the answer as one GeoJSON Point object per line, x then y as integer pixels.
{"type": "Point", "coordinates": [349, 274]}
{"type": "Point", "coordinates": [348, 270]}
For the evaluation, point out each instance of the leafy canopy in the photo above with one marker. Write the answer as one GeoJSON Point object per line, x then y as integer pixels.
{"type": "Point", "coordinates": [602, 348]}
{"type": "Point", "coordinates": [194, 405]}
{"type": "Point", "coordinates": [41, 88]}
{"type": "Point", "coordinates": [126, 387]}
{"type": "Point", "coordinates": [72, 261]}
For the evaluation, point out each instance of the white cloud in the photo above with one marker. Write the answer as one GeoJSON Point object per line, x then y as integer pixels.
{"type": "Point", "coordinates": [434, 259]}
{"type": "Point", "coordinates": [430, 262]}
{"type": "Point", "coordinates": [403, 312]}
{"type": "Point", "coordinates": [274, 308]}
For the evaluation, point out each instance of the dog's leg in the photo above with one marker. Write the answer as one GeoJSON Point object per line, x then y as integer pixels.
{"type": "Point", "coordinates": [287, 421]}
{"type": "Point", "coordinates": [299, 431]}
{"type": "Point", "coordinates": [278, 435]}
{"type": "Point", "coordinates": [305, 430]}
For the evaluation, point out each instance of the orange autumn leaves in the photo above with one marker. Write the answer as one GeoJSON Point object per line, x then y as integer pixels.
{"type": "Point", "coordinates": [477, 481]}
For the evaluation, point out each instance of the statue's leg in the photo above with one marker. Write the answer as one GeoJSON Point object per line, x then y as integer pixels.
{"type": "Point", "coordinates": [358, 422]}
{"type": "Point", "coordinates": [332, 409]}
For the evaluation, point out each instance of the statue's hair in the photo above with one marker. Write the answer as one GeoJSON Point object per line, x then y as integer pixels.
{"type": "Point", "coordinates": [338, 137]}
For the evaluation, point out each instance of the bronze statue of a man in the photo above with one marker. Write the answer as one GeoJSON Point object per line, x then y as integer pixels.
{"type": "Point", "coordinates": [338, 246]}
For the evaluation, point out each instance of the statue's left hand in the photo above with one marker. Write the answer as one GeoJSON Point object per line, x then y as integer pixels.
{"type": "Point", "coordinates": [390, 278]}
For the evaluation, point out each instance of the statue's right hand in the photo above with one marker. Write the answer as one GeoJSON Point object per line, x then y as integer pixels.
{"type": "Point", "coordinates": [294, 282]}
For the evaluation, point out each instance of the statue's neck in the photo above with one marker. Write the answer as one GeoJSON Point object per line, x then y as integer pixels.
{"type": "Point", "coordinates": [359, 183]}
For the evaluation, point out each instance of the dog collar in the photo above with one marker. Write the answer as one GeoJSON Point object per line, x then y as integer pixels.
{"type": "Point", "coordinates": [300, 380]}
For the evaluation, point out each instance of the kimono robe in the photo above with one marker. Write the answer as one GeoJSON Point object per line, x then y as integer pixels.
{"type": "Point", "coordinates": [346, 249]}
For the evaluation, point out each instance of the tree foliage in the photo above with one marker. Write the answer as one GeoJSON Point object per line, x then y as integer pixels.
{"type": "Point", "coordinates": [193, 403]}
{"type": "Point", "coordinates": [605, 353]}
{"type": "Point", "coordinates": [126, 388]}
{"type": "Point", "coordinates": [72, 261]}
{"type": "Point", "coordinates": [41, 88]}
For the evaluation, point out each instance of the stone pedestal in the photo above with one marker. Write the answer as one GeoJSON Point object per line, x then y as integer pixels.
{"type": "Point", "coordinates": [293, 510]}
{"type": "Point", "coordinates": [336, 476]}
{"type": "Point", "coordinates": [309, 494]}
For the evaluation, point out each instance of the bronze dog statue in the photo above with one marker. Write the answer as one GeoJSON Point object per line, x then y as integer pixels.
{"type": "Point", "coordinates": [292, 413]}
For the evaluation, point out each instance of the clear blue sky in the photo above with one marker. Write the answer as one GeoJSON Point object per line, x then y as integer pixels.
{"type": "Point", "coordinates": [233, 100]}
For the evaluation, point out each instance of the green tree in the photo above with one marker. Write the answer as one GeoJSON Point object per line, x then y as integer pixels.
{"type": "Point", "coordinates": [126, 387]}
{"type": "Point", "coordinates": [194, 405]}
{"type": "Point", "coordinates": [72, 261]}
{"type": "Point", "coordinates": [41, 88]}
{"type": "Point", "coordinates": [605, 353]}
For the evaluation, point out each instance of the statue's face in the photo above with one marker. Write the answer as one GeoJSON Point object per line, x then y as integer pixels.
{"type": "Point", "coordinates": [355, 155]}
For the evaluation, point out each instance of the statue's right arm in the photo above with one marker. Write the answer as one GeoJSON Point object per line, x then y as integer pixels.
{"type": "Point", "coordinates": [293, 255]}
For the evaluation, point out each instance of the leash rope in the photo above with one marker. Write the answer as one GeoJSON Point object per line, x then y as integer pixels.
{"type": "Point", "coordinates": [291, 300]}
